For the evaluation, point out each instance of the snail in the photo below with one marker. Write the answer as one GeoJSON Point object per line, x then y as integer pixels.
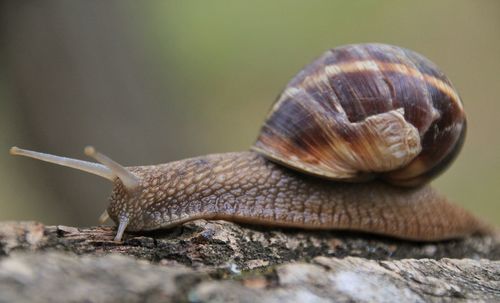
{"type": "Point", "coordinates": [350, 144]}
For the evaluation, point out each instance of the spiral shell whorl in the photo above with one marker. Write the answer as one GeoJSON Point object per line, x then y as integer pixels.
{"type": "Point", "coordinates": [366, 110]}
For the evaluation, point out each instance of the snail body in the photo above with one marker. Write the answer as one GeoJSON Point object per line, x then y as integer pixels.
{"type": "Point", "coordinates": [245, 187]}
{"type": "Point", "coordinates": [349, 144]}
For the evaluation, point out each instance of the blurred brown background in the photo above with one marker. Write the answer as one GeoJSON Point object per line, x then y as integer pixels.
{"type": "Point", "coordinates": [153, 81]}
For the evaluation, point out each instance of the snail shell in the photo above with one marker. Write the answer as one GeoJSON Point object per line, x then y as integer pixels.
{"type": "Point", "coordinates": [364, 111]}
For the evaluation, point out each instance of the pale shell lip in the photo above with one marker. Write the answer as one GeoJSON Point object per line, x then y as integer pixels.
{"type": "Point", "coordinates": [381, 143]}
{"type": "Point", "coordinates": [297, 165]}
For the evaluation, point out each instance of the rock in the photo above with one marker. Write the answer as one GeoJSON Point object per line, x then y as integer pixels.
{"type": "Point", "coordinates": [61, 277]}
{"type": "Point", "coordinates": [223, 244]}
{"type": "Point", "coordinates": [58, 277]}
{"type": "Point", "coordinates": [217, 261]}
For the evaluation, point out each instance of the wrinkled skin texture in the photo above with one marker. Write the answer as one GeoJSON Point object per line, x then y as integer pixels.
{"type": "Point", "coordinates": [245, 187]}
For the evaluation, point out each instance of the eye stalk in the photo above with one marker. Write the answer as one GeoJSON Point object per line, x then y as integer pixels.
{"type": "Point", "coordinates": [89, 167]}
{"type": "Point", "coordinates": [128, 179]}
{"type": "Point", "coordinates": [108, 169]}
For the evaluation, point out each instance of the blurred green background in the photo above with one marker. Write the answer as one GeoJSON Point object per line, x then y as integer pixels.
{"type": "Point", "coordinates": [154, 81]}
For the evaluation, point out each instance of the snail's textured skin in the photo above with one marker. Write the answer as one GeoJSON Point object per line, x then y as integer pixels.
{"type": "Point", "coordinates": [363, 110]}
{"type": "Point", "coordinates": [245, 187]}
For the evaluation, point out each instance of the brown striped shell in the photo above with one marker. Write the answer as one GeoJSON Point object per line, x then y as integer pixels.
{"type": "Point", "coordinates": [364, 111]}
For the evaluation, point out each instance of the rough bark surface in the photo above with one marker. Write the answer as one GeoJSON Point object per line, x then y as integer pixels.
{"type": "Point", "coordinates": [217, 261]}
